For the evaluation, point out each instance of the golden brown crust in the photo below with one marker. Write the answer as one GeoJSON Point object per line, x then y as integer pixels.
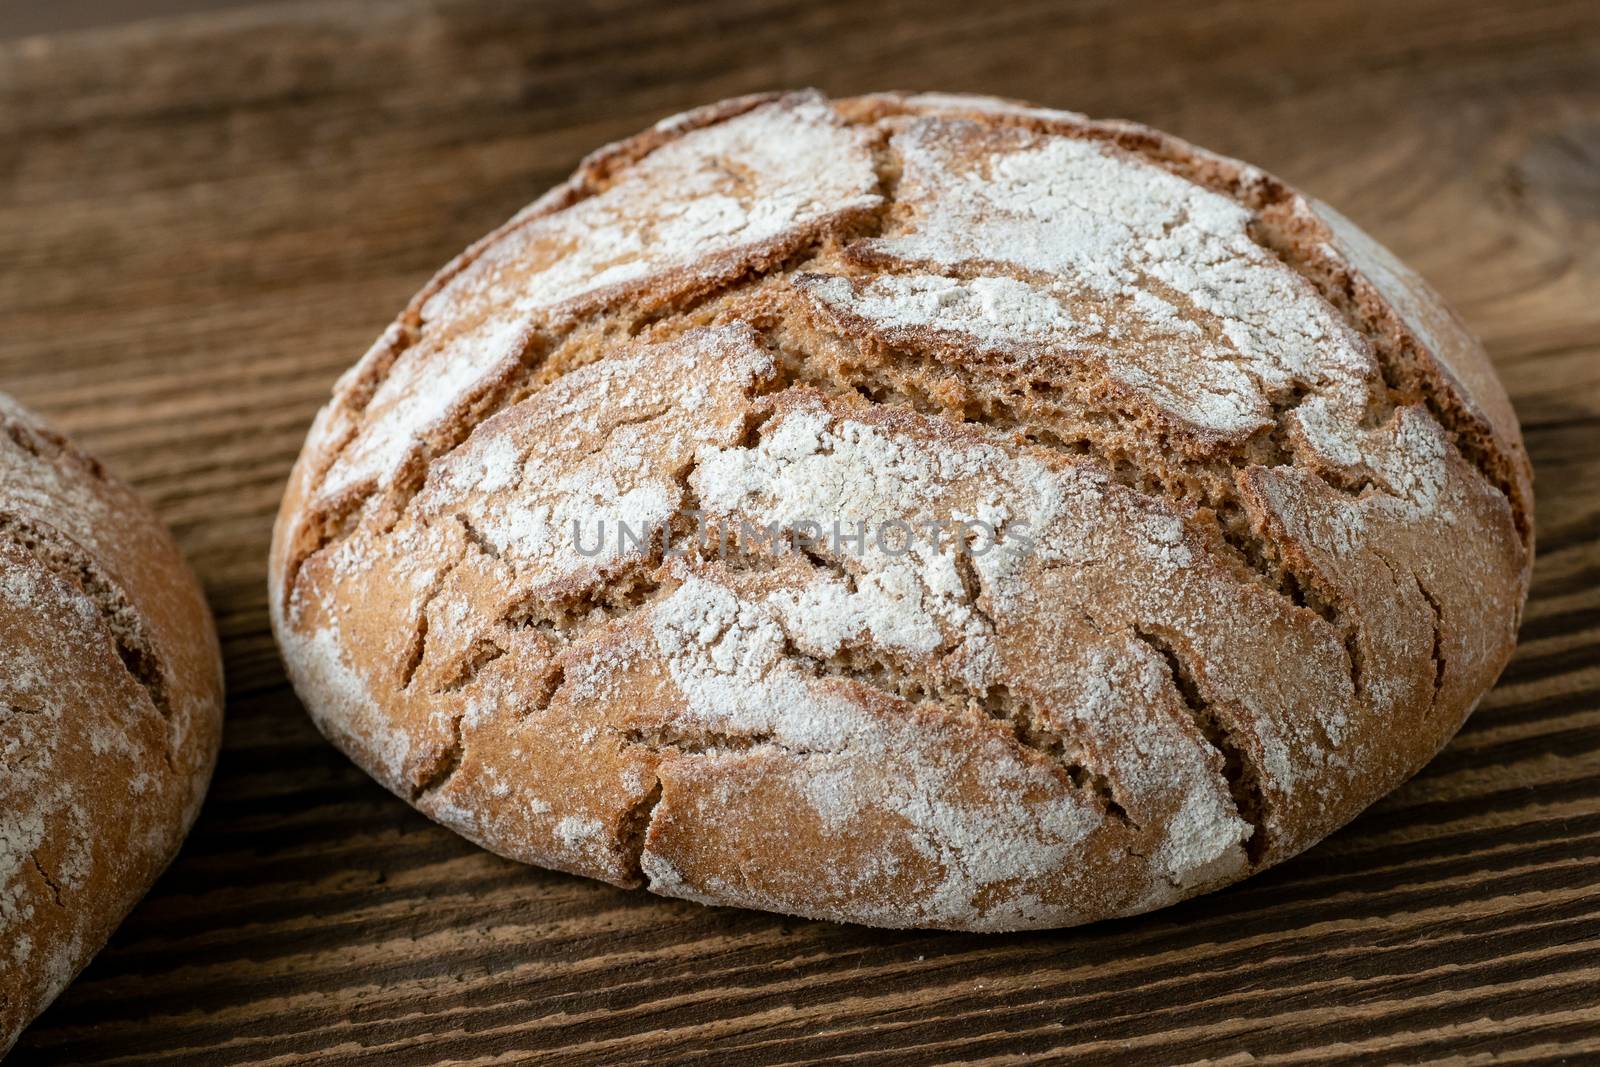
{"type": "Point", "coordinates": [1258, 520]}
{"type": "Point", "coordinates": [110, 709]}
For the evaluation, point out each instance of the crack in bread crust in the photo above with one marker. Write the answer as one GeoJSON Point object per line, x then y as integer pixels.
{"type": "Point", "coordinates": [57, 554]}
{"type": "Point", "coordinates": [1239, 767]}
{"type": "Point", "coordinates": [1278, 213]}
{"type": "Point", "coordinates": [793, 248]}
{"type": "Point", "coordinates": [1246, 490]}
{"type": "Point", "coordinates": [592, 612]}
{"type": "Point", "coordinates": [49, 881]}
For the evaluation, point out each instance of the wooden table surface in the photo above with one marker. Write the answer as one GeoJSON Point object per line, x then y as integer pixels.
{"type": "Point", "coordinates": [203, 220]}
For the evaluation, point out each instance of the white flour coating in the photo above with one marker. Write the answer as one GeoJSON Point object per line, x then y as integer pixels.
{"type": "Point", "coordinates": [735, 185]}
{"type": "Point", "coordinates": [38, 734]}
{"type": "Point", "coordinates": [318, 660]}
{"type": "Point", "coordinates": [1113, 695]}
{"type": "Point", "coordinates": [1106, 227]}
{"type": "Point", "coordinates": [715, 194]}
{"type": "Point", "coordinates": [1140, 339]}
{"type": "Point", "coordinates": [425, 387]}
{"type": "Point", "coordinates": [812, 464]}
{"type": "Point", "coordinates": [546, 499]}
{"type": "Point", "coordinates": [909, 594]}
{"type": "Point", "coordinates": [725, 655]}
{"type": "Point", "coordinates": [1408, 459]}
{"type": "Point", "coordinates": [591, 517]}
{"type": "Point", "coordinates": [995, 314]}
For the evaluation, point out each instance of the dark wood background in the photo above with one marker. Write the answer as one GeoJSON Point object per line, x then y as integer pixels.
{"type": "Point", "coordinates": [204, 219]}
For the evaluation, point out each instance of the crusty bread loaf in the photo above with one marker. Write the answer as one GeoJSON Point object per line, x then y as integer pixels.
{"type": "Point", "coordinates": [110, 709]}
{"type": "Point", "coordinates": [1208, 523]}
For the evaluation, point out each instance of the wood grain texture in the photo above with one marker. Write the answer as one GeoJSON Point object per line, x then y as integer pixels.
{"type": "Point", "coordinates": [203, 221]}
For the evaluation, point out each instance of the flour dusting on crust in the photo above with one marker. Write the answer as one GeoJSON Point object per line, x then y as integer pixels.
{"type": "Point", "coordinates": [1164, 600]}
{"type": "Point", "coordinates": [110, 709]}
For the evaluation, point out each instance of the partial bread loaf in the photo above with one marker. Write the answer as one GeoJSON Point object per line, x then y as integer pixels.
{"type": "Point", "coordinates": [1266, 510]}
{"type": "Point", "coordinates": [110, 709]}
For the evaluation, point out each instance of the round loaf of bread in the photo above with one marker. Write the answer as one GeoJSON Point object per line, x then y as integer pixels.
{"type": "Point", "coordinates": [110, 709]}
{"type": "Point", "coordinates": [913, 510]}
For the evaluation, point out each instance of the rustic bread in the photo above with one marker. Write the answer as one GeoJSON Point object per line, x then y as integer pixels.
{"type": "Point", "coordinates": [1247, 520]}
{"type": "Point", "coordinates": [110, 709]}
